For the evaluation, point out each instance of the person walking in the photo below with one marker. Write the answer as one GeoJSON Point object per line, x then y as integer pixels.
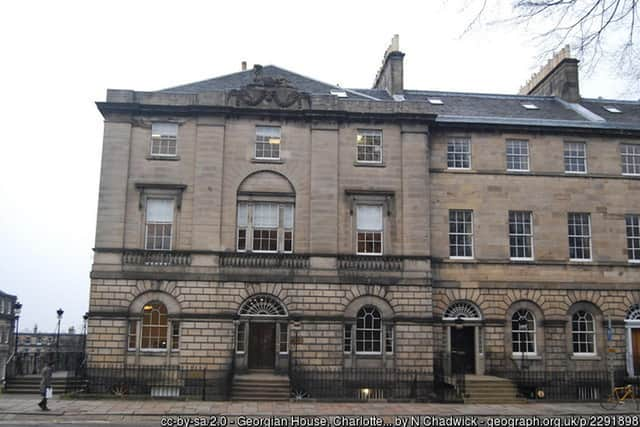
{"type": "Point", "coordinates": [45, 383]}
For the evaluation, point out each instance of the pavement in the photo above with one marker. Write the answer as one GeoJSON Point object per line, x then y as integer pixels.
{"type": "Point", "coordinates": [23, 410]}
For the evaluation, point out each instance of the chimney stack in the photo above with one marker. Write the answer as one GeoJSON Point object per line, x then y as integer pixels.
{"type": "Point", "coordinates": [390, 75]}
{"type": "Point", "coordinates": [244, 65]}
{"type": "Point", "coordinates": [558, 77]}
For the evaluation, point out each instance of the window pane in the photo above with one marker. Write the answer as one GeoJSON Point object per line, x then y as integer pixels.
{"type": "Point", "coordinates": [575, 157]}
{"type": "Point", "coordinates": [159, 210]}
{"type": "Point", "coordinates": [265, 215]}
{"type": "Point", "coordinates": [517, 155]}
{"type": "Point", "coordinates": [369, 217]}
{"type": "Point", "coordinates": [579, 232]}
{"type": "Point", "coordinates": [459, 153]}
{"type": "Point", "coordinates": [460, 233]}
{"type": "Point", "coordinates": [268, 142]}
{"type": "Point", "coordinates": [154, 326]}
{"type": "Point", "coordinates": [369, 146]}
{"type": "Point", "coordinates": [368, 330]}
{"type": "Point", "coordinates": [633, 237]}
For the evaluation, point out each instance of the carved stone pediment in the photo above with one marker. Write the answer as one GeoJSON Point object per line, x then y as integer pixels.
{"type": "Point", "coordinates": [268, 90]}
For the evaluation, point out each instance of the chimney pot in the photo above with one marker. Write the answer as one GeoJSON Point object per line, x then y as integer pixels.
{"type": "Point", "coordinates": [244, 65]}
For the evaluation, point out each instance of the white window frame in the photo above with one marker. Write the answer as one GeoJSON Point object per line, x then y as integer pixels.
{"type": "Point", "coordinates": [286, 337]}
{"type": "Point", "coordinates": [363, 230]}
{"type": "Point", "coordinates": [518, 143]}
{"type": "Point", "coordinates": [635, 218]}
{"type": "Point", "coordinates": [268, 137]}
{"type": "Point", "coordinates": [579, 236]}
{"type": "Point", "coordinates": [241, 329]}
{"type": "Point", "coordinates": [147, 223]}
{"type": "Point", "coordinates": [381, 342]}
{"type": "Point", "coordinates": [451, 143]}
{"type": "Point", "coordinates": [593, 335]}
{"type": "Point", "coordinates": [280, 229]}
{"type": "Point", "coordinates": [527, 331]}
{"type": "Point", "coordinates": [516, 235]}
{"type": "Point", "coordinates": [631, 155]}
{"type": "Point", "coordinates": [164, 138]}
{"type": "Point", "coordinates": [461, 234]}
{"type": "Point", "coordinates": [569, 144]}
{"type": "Point", "coordinates": [347, 336]}
{"type": "Point", "coordinates": [362, 134]}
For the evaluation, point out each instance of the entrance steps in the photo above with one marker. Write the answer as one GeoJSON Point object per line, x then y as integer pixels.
{"type": "Point", "coordinates": [489, 389]}
{"type": "Point", "coordinates": [30, 384]}
{"type": "Point", "coordinates": [261, 385]}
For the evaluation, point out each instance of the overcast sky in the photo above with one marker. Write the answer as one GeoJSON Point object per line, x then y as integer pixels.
{"type": "Point", "coordinates": [59, 57]}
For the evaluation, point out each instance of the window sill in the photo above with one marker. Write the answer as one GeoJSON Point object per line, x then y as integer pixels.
{"type": "Point", "coordinates": [459, 169]}
{"type": "Point", "coordinates": [169, 158]}
{"type": "Point", "coordinates": [369, 164]}
{"type": "Point", "coordinates": [520, 171]}
{"type": "Point", "coordinates": [271, 161]}
{"type": "Point", "coordinates": [516, 357]}
{"type": "Point", "coordinates": [580, 261]}
{"type": "Point", "coordinates": [586, 357]}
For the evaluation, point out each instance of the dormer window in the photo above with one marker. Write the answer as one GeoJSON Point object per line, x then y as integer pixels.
{"type": "Point", "coordinates": [529, 106]}
{"type": "Point", "coordinates": [612, 109]}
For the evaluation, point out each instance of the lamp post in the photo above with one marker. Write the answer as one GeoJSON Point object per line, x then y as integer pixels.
{"type": "Point", "coordinates": [17, 309]}
{"type": "Point", "coordinates": [85, 320]}
{"type": "Point", "coordinates": [60, 312]}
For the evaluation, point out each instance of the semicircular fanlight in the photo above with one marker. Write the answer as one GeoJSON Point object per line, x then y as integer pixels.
{"type": "Point", "coordinates": [463, 309]}
{"type": "Point", "coordinates": [262, 305]}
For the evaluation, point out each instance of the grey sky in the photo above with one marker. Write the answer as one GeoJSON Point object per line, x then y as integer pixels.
{"type": "Point", "coordinates": [59, 57]}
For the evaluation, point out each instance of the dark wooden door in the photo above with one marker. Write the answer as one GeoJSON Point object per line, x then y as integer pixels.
{"type": "Point", "coordinates": [262, 345]}
{"type": "Point", "coordinates": [635, 349]}
{"type": "Point", "coordinates": [463, 355]}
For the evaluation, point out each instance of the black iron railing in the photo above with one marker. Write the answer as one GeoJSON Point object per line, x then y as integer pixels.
{"type": "Point", "coordinates": [369, 263]}
{"type": "Point", "coordinates": [155, 258]}
{"type": "Point", "coordinates": [23, 364]}
{"type": "Point", "coordinates": [160, 381]}
{"type": "Point", "coordinates": [449, 377]}
{"type": "Point", "coordinates": [262, 260]}
{"type": "Point", "coordinates": [562, 385]}
{"type": "Point", "coordinates": [361, 384]}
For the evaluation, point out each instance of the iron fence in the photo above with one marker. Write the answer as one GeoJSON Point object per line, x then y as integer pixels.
{"type": "Point", "coordinates": [563, 385]}
{"type": "Point", "coordinates": [361, 384]}
{"type": "Point", "coordinates": [160, 381]}
{"type": "Point", "coordinates": [22, 364]}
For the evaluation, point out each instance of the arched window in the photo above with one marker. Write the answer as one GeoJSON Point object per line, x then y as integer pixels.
{"type": "Point", "coordinates": [523, 332]}
{"type": "Point", "coordinates": [368, 330]}
{"type": "Point", "coordinates": [583, 333]}
{"type": "Point", "coordinates": [154, 326]}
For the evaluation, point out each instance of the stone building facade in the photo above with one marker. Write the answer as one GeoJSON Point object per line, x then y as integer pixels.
{"type": "Point", "coordinates": [271, 219]}
{"type": "Point", "coordinates": [7, 328]}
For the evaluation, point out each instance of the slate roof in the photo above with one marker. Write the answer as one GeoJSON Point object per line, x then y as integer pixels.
{"type": "Point", "coordinates": [457, 107]}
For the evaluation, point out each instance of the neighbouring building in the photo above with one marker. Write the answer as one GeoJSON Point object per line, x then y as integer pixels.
{"type": "Point", "coordinates": [7, 327]}
{"type": "Point", "coordinates": [271, 219]}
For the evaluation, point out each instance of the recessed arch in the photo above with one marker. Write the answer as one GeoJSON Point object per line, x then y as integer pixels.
{"type": "Point", "coordinates": [381, 304]}
{"type": "Point", "coordinates": [137, 305]}
{"type": "Point", "coordinates": [266, 181]}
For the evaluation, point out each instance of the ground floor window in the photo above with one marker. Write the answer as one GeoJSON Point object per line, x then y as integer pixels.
{"type": "Point", "coordinates": [583, 333]}
{"type": "Point", "coordinates": [523, 333]}
{"type": "Point", "coordinates": [154, 331]}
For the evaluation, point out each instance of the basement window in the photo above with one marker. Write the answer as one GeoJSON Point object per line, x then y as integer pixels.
{"type": "Point", "coordinates": [530, 106]}
{"type": "Point", "coordinates": [435, 101]}
{"type": "Point", "coordinates": [338, 93]}
{"type": "Point", "coordinates": [612, 109]}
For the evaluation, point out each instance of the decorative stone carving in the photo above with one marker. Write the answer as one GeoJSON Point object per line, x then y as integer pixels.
{"type": "Point", "coordinates": [269, 90]}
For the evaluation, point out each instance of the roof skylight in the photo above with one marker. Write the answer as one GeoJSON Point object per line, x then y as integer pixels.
{"type": "Point", "coordinates": [398, 97]}
{"type": "Point", "coordinates": [435, 101]}
{"type": "Point", "coordinates": [339, 93]}
{"type": "Point", "coordinates": [612, 109]}
{"type": "Point", "coordinates": [530, 106]}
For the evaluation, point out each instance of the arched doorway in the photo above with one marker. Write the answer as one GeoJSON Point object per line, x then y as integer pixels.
{"type": "Point", "coordinates": [262, 333]}
{"type": "Point", "coordinates": [632, 327]}
{"type": "Point", "coordinates": [463, 323]}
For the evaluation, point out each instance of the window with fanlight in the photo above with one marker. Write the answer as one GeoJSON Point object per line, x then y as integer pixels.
{"type": "Point", "coordinates": [154, 330]}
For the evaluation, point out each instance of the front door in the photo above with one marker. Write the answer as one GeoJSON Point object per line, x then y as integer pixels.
{"type": "Point", "coordinates": [635, 350]}
{"type": "Point", "coordinates": [463, 355]}
{"type": "Point", "coordinates": [262, 345]}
